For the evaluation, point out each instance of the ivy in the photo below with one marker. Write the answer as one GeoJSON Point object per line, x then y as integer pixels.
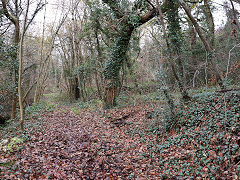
{"type": "Point", "coordinates": [204, 126]}
{"type": "Point", "coordinates": [174, 28]}
{"type": "Point", "coordinates": [8, 64]}
{"type": "Point", "coordinates": [134, 20]}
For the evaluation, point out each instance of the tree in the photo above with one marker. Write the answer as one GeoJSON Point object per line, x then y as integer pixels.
{"type": "Point", "coordinates": [174, 41]}
{"type": "Point", "coordinates": [209, 47]}
{"type": "Point", "coordinates": [140, 13]}
{"type": "Point", "coordinates": [14, 16]}
{"type": "Point", "coordinates": [15, 21]}
{"type": "Point", "coordinates": [20, 69]}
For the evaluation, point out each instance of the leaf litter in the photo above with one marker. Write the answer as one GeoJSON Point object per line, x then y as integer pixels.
{"type": "Point", "coordinates": [117, 144]}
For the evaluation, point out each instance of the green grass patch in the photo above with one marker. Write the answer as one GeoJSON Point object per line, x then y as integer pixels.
{"type": "Point", "coordinates": [59, 98]}
{"type": "Point", "coordinates": [41, 107]}
{"type": "Point", "coordinates": [92, 105]}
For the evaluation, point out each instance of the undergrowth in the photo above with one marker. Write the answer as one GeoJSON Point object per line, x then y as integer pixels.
{"type": "Point", "coordinates": [92, 105]}
{"type": "Point", "coordinates": [37, 109]}
{"type": "Point", "coordinates": [32, 122]}
{"type": "Point", "coordinates": [205, 138]}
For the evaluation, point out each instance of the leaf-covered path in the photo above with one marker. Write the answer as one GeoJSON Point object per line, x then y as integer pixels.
{"type": "Point", "coordinates": [126, 143]}
{"type": "Point", "coordinates": [85, 146]}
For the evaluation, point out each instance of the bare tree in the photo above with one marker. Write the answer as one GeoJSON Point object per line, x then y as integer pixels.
{"type": "Point", "coordinates": [13, 15]}
{"type": "Point", "coordinates": [208, 47]}
{"type": "Point", "coordinates": [43, 69]}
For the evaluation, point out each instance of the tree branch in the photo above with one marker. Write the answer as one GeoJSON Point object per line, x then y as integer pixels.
{"type": "Point", "coordinates": [196, 25]}
{"type": "Point", "coordinates": [151, 14]}
{"type": "Point", "coordinates": [115, 7]}
{"type": "Point", "coordinates": [28, 91]}
{"type": "Point", "coordinates": [12, 18]}
{"type": "Point", "coordinates": [38, 8]}
{"type": "Point", "coordinates": [29, 67]}
{"type": "Point", "coordinates": [145, 18]}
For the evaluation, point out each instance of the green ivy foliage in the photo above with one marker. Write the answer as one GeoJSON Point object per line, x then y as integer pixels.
{"type": "Point", "coordinates": [8, 56]}
{"type": "Point", "coordinates": [8, 64]}
{"type": "Point", "coordinates": [210, 124]}
{"type": "Point", "coordinates": [36, 109]}
{"type": "Point", "coordinates": [174, 28]}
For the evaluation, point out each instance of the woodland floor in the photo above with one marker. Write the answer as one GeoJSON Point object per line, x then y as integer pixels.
{"type": "Point", "coordinates": [102, 145]}
{"type": "Point", "coordinates": [85, 146]}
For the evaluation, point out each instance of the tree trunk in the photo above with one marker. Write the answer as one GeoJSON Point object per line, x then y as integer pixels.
{"type": "Point", "coordinates": [118, 51]}
{"type": "Point", "coordinates": [99, 60]}
{"type": "Point", "coordinates": [210, 23]}
{"type": "Point", "coordinates": [20, 94]}
{"type": "Point", "coordinates": [15, 78]}
{"type": "Point", "coordinates": [207, 46]}
{"type": "Point", "coordinates": [76, 90]}
{"type": "Point", "coordinates": [174, 34]}
{"type": "Point", "coordinates": [176, 45]}
{"type": "Point", "coordinates": [113, 66]}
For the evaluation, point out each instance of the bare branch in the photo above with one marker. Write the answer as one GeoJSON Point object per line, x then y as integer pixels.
{"type": "Point", "coordinates": [38, 8]}
{"type": "Point", "coordinates": [11, 17]}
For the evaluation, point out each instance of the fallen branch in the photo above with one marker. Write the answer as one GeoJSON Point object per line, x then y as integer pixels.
{"type": "Point", "coordinates": [122, 120]}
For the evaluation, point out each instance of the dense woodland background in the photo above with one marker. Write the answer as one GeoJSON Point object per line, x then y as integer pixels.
{"type": "Point", "coordinates": [104, 54]}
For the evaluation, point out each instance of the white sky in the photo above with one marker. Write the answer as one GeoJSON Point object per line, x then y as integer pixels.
{"type": "Point", "coordinates": [53, 13]}
{"type": "Point", "coordinates": [219, 15]}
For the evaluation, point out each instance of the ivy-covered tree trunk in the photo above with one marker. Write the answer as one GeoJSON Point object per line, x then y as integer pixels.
{"type": "Point", "coordinates": [14, 20]}
{"type": "Point", "coordinates": [175, 45]}
{"type": "Point", "coordinates": [113, 66]}
{"type": "Point", "coordinates": [128, 22]}
{"type": "Point", "coordinates": [15, 73]}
